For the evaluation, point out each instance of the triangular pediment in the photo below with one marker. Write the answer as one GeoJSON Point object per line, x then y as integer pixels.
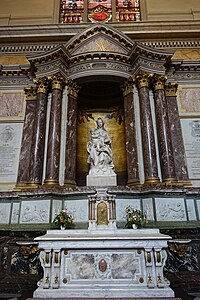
{"type": "Point", "coordinates": [100, 38]}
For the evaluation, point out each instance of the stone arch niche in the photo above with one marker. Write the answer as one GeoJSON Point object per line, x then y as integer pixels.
{"type": "Point", "coordinates": [97, 70]}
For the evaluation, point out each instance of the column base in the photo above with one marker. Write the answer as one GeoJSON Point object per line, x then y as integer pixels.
{"type": "Point", "coordinates": [50, 183]}
{"type": "Point", "coordinates": [152, 181]}
{"type": "Point", "coordinates": [170, 181]}
{"type": "Point", "coordinates": [69, 183]}
{"type": "Point", "coordinates": [133, 182]}
{"type": "Point", "coordinates": [185, 183]}
{"type": "Point", "coordinates": [28, 185]}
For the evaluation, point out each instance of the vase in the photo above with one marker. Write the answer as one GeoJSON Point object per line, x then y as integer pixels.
{"type": "Point", "coordinates": [134, 226]}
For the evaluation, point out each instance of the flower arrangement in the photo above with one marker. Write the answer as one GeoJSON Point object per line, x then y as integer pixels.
{"type": "Point", "coordinates": [63, 219]}
{"type": "Point", "coordinates": [135, 216]}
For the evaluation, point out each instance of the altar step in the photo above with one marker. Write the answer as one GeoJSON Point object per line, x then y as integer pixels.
{"type": "Point", "coordinates": [104, 298]}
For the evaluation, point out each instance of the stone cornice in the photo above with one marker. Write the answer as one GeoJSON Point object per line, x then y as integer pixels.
{"type": "Point", "coordinates": [140, 31]}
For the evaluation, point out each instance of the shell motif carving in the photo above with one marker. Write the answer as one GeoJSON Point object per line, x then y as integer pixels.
{"type": "Point", "coordinates": [102, 265]}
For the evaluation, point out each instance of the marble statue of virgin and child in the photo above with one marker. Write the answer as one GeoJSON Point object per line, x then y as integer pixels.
{"type": "Point", "coordinates": [99, 151]}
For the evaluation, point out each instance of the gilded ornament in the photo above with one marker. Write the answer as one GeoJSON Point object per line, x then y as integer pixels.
{"type": "Point", "coordinates": [72, 88]}
{"type": "Point", "coordinates": [141, 280]}
{"type": "Point", "coordinates": [47, 258]}
{"type": "Point", "coordinates": [158, 256]}
{"type": "Point", "coordinates": [148, 257]}
{"type": "Point", "coordinates": [56, 256]}
{"type": "Point", "coordinates": [42, 84]}
{"type": "Point", "coordinates": [57, 82]}
{"type": "Point", "coordinates": [64, 280]}
{"type": "Point", "coordinates": [159, 82]}
{"type": "Point", "coordinates": [143, 80]}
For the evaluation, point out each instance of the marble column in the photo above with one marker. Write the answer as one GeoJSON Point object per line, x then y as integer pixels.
{"type": "Point", "coordinates": [163, 131]}
{"type": "Point", "coordinates": [148, 140]}
{"type": "Point", "coordinates": [70, 153]}
{"type": "Point", "coordinates": [38, 142]}
{"type": "Point", "coordinates": [130, 134]}
{"type": "Point", "coordinates": [53, 146]}
{"type": "Point", "coordinates": [176, 134]}
{"type": "Point", "coordinates": [27, 137]}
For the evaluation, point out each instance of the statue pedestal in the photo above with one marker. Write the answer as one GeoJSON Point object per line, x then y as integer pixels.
{"type": "Point", "coordinates": [103, 264]}
{"type": "Point", "coordinates": [101, 180]}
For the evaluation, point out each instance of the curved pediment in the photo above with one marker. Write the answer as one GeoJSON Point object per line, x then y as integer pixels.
{"type": "Point", "coordinates": [100, 38]}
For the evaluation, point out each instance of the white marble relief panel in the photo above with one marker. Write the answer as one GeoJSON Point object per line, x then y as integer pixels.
{"type": "Point", "coordinates": [79, 209]}
{"type": "Point", "coordinates": [170, 209]}
{"type": "Point", "coordinates": [10, 143]}
{"type": "Point", "coordinates": [5, 213]}
{"type": "Point", "coordinates": [198, 208]}
{"type": "Point", "coordinates": [56, 206]}
{"type": "Point", "coordinates": [121, 205]}
{"type": "Point", "coordinates": [191, 210]}
{"type": "Point", "coordinates": [37, 211]}
{"type": "Point", "coordinates": [148, 208]}
{"type": "Point", "coordinates": [15, 213]}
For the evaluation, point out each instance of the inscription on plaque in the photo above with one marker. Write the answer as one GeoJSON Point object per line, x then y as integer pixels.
{"type": "Point", "coordinates": [191, 136]}
{"type": "Point", "coordinates": [10, 139]}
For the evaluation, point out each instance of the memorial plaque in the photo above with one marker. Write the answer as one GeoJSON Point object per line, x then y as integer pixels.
{"type": "Point", "coordinates": [191, 137]}
{"type": "Point", "coordinates": [10, 142]}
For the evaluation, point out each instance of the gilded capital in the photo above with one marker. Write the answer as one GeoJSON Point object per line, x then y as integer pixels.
{"type": "Point", "coordinates": [72, 88]}
{"type": "Point", "coordinates": [30, 93]}
{"type": "Point", "coordinates": [159, 82]}
{"type": "Point", "coordinates": [127, 87]}
{"type": "Point", "coordinates": [42, 84]}
{"type": "Point", "coordinates": [171, 89]}
{"type": "Point", "coordinates": [57, 82]}
{"type": "Point", "coordinates": [143, 80]}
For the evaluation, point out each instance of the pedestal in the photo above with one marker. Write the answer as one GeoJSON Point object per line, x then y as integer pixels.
{"type": "Point", "coordinates": [102, 180]}
{"type": "Point", "coordinates": [103, 264]}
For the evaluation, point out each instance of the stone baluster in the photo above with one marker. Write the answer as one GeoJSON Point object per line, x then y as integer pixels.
{"type": "Point", "coordinates": [163, 131]}
{"type": "Point", "coordinates": [53, 148]}
{"type": "Point", "coordinates": [176, 134]}
{"type": "Point", "coordinates": [148, 140]}
{"type": "Point", "coordinates": [38, 143]}
{"type": "Point", "coordinates": [70, 154]}
{"type": "Point", "coordinates": [130, 133]}
{"type": "Point", "coordinates": [27, 137]}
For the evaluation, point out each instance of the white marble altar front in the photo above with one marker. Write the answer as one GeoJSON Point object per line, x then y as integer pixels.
{"type": "Point", "coordinates": [103, 264]}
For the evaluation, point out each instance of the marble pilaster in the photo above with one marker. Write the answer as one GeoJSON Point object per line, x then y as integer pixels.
{"type": "Point", "coordinates": [37, 148]}
{"type": "Point", "coordinates": [53, 148]}
{"type": "Point", "coordinates": [70, 153]}
{"type": "Point", "coordinates": [29, 121]}
{"type": "Point", "coordinates": [148, 140]}
{"type": "Point", "coordinates": [176, 134]}
{"type": "Point", "coordinates": [130, 133]}
{"type": "Point", "coordinates": [163, 131]}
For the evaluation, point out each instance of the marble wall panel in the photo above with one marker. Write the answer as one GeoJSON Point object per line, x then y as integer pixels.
{"type": "Point", "coordinates": [121, 205]}
{"type": "Point", "coordinates": [10, 142]}
{"type": "Point", "coordinates": [11, 104]}
{"type": "Point", "coordinates": [15, 213]}
{"type": "Point", "coordinates": [5, 213]}
{"type": "Point", "coordinates": [56, 206]}
{"type": "Point", "coordinates": [191, 137]}
{"type": "Point", "coordinates": [189, 99]}
{"type": "Point", "coordinates": [170, 209]}
{"type": "Point", "coordinates": [79, 209]}
{"type": "Point", "coordinates": [198, 209]}
{"type": "Point", "coordinates": [147, 204]}
{"type": "Point", "coordinates": [35, 211]}
{"type": "Point", "coordinates": [191, 210]}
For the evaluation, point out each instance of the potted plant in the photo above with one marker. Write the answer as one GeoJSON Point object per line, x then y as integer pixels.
{"type": "Point", "coordinates": [135, 218]}
{"type": "Point", "coordinates": [63, 219]}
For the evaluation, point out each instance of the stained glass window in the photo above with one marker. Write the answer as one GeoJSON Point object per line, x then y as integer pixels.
{"type": "Point", "coordinates": [76, 11]}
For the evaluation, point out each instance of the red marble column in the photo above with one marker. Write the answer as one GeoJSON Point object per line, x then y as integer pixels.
{"type": "Point", "coordinates": [53, 148]}
{"type": "Point", "coordinates": [148, 140]}
{"type": "Point", "coordinates": [130, 133]}
{"type": "Point", "coordinates": [163, 131]}
{"type": "Point", "coordinates": [70, 154]}
{"type": "Point", "coordinates": [37, 147]}
{"type": "Point", "coordinates": [176, 134]}
{"type": "Point", "coordinates": [27, 137]}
